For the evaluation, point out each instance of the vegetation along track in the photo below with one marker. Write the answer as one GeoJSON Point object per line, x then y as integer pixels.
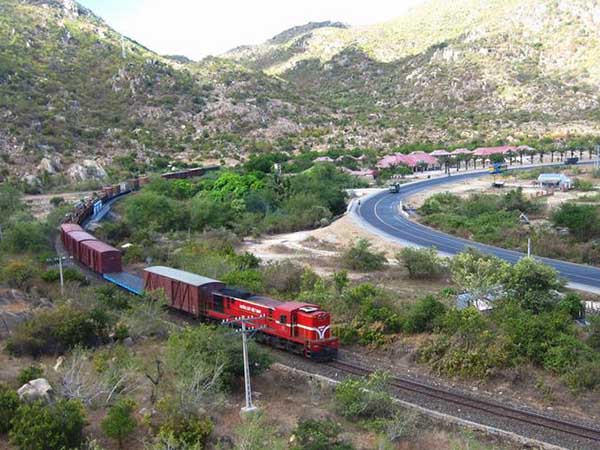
{"type": "Point", "coordinates": [591, 435]}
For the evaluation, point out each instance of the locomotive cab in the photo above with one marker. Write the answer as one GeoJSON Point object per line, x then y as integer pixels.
{"type": "Point", "coordinates": [310, 324]}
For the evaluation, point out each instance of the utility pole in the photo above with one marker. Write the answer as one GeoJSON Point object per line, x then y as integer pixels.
{"type": "Point", "coordinates": [248, 326]}
{"type": "Point", "coordinates": [529, 247]}
{"type": "Point", "coordinates": [0, 232]}
{"type": "Point", "coordinates": [60, 260]}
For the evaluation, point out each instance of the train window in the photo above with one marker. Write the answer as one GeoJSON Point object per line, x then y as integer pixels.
{"type": "Point", "coordinates": [218, 303]}
{"type": "Point", "coordinates": [282, 318]}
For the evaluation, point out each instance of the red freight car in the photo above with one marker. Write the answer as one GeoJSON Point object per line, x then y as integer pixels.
{"type": "Point", "coordinates": [67, 228]}
{"type": "Point", "coordinates": [100, 257]}
{"type": "Point", "coordinates": [185, 291]}
{"type": "Point", "coordinates": [73, 241]}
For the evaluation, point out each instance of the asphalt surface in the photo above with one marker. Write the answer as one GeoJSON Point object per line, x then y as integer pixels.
{"type": "Point", "coordinates": [381, 214]}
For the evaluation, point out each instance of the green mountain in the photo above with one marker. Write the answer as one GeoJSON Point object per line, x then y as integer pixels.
{"type": "Point", "coordinates": [78, 99]}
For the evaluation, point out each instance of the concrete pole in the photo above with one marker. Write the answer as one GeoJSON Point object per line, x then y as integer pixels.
{"type": "Point", "coordinates": [62, 281]}
{"type": "Point", "coordinates": [528, 247]}
{"type": "Point", "coordinates": [249, 406]}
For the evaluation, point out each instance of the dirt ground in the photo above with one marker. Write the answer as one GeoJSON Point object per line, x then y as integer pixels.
{"type": "Point", "coordinates": [40, 204]}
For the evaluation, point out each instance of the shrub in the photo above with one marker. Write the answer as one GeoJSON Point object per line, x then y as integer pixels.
{"type": "Point", "coordinates": [585, 376]}
{"type": "Point", "coordinates": [255, 433]}
{"type": "Point", "coordinates": [23, 237]}
{"type": "Point", "coordinates": [421, 263]}
{"type": "Point", "coordinates": [581, 220]}
{"type": "Point", "coordinates": [18, 273]}
{"type": "Point", "coordinates": [205, 348]}
{"type": "Point", "coordinates": [56, 201]}
{"type": "Point", "coordinates": [58, 330]}
{"type": "Point", "coordinates": [423, 315]}
{"type": "Point", "coordinates": [43, 427]}
{"type": "Point", "coordinates": [314, 434]}
{"type": "Point", "coordinates": [361, 257]}
{"type": "Point", "coordinates": [284, 277]}
{"type": "Point", "coordinates": [119, 422]}
{"type": "Point", "coordinates": [9, 403]}
{"type": "Point", "coordinates": [593, 339]}
{"type": "Point", "coordinates": [69, 274]}
{"type": "Point", "coordinates": [251, 280]}
{"type": "Point", "coordinates": [185, 432]}
{"type": "Point", "coordinates": [364, 398]}
{"type": "Point", "coordinates": [30, 373]}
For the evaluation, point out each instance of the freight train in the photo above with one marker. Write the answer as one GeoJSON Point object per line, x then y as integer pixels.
{"type": "Point", "coordinates": [301, 328]}
{"type": "Point", "coordinates": [91, 206]}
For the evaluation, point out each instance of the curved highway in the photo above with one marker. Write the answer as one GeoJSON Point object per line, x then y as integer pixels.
{"type": "Point", "coordinates": [380, 214]}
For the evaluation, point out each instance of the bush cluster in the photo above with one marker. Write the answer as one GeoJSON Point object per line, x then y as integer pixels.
{"type": "Point", "coordinates": [58, 330]}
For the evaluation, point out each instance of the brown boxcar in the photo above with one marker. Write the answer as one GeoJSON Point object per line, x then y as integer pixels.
{"type": "Point", "coordinates": [185, 291]}
{"type": "Point", "coordinates": [144, 181]}
{"type": "Point", "coordinates": [100, 257]}
{"type": "Point", "coordinates": [67, 228]}
{"type": "Point", "coordinates": [108, 191]}
{"type": "Point", "coordinates": [73, 241]}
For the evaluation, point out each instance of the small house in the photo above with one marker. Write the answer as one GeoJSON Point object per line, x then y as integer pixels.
{"type": "Point", "coordinates": [554, 180]}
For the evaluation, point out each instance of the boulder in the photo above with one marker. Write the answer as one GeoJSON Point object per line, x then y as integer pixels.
{"type": "Point", "coordinates": [87, 170]}
{"type": "Point", "coordinates": [34, 390]}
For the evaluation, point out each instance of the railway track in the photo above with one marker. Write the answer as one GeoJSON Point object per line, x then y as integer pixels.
{"type": "Point", "coordinates": [460, 399]}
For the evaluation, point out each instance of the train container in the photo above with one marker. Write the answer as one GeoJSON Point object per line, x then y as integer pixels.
{"type": "Point", "coordinates": [107, 191]}
{"type": "Point", "coordinates": [100, 257]}
{"type": "Point", "coordinates": [124, 187]}
{"type": "Point", "coordinates": [185, 291]}
{"type": "Point", "coordinates": [135, 183]}
{"type": "Point", "coordinates": [144, 181]}
{"type": "Point", "coordinates": [116, 189]}
{"type": "Point", "coordinates": [66, 228]}
{"type": "Point", "coordinates": [73, 241]}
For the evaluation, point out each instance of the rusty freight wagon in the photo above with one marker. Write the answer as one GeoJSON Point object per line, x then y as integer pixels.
{"type": "Point", "coordinates": [100, 257]}
{"type": "Point", "coordinates": [73, 241]}
{"type": "Point", "coordinates": [185, 291]}
{"type": "Point", "coordinates": [65, 229]}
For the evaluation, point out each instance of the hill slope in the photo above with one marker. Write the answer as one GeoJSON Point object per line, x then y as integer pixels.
{"type": "Point", "coordinates": [75, 98]}
{"type": "Point", "coordinates": [454, 71]}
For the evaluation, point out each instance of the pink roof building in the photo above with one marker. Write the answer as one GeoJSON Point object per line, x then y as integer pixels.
{"type": "Point", "coordinates": [412, 160]}
{"type": "Point", "coordinates": [487, 151]}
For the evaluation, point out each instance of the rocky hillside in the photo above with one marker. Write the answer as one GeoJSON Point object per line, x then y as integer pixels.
{"type": "Point", "coordinates": [78, 101]}
{"type": "Point", "coordinates": [460, 71]}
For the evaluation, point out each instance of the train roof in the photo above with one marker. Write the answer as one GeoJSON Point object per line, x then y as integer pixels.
{"type": "Point", "coordinates": [180, 275]}
{"type": "Point", "coordinates": [101, 246]}
{"type": "Point", "coordinates": [69, 227]}
{"type": "Point", "coordinates": [293, 306]}
{"type": "Point", "coordinates": [80, 236]}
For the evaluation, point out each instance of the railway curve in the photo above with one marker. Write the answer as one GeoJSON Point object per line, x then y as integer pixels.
{"type": "Point", "coordinates": [380, 213]}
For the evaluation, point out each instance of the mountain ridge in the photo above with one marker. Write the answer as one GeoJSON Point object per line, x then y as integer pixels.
{"type": "Point", "coordinates": [470, 73]}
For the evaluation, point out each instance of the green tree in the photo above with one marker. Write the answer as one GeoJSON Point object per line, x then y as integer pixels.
{"type": "Point", "coordinates": [477, 273]}
{"type": "Point", "coordinates": [582, 221]}
{"type": "Point", "coordinates": [119, 421]}
{"type": "Point", "coordinates": [531, 283]}
{"type": "Point", "coordinates": [37, 426]}
{"type": "Point", "coordinates": [9, 403]}
{"type": "Point", "coordinates": [361, 257]}
{"type": "Point", "coordinates": [421, 263]}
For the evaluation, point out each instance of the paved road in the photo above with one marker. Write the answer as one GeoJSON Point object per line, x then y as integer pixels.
{"type": "Point", "coordinates": [380, 213]}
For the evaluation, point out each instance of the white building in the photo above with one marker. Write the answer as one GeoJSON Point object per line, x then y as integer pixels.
{"type": "Point", "coordinates": [555, 180]}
